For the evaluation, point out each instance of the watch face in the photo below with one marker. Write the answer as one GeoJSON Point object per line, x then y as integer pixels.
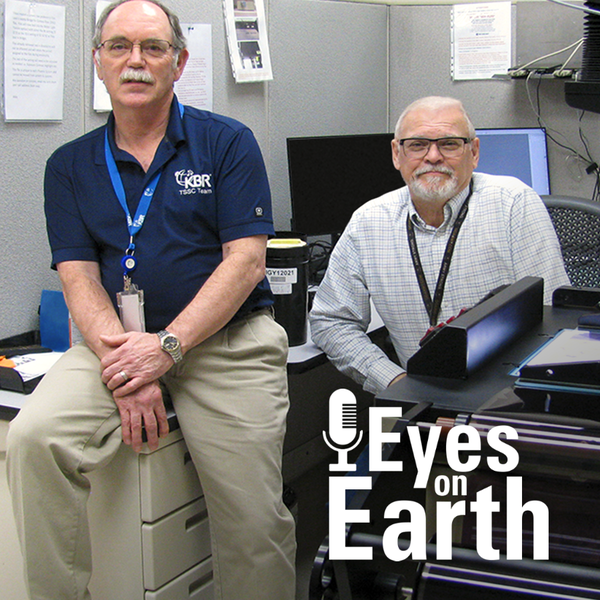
{"type": "Point", "coordinates": [170, 343]}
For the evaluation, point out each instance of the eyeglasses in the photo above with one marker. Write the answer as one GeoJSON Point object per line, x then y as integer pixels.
{"type": "Point", "coordinates": [118, 48]}
{"type": "Point", "coordinates": [449, 147]}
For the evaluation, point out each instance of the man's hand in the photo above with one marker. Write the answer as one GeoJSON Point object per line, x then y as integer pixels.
{"type": "Point", "coordinates": [135, 360]}
{"type": "Point", "coordinates": [143, 409]}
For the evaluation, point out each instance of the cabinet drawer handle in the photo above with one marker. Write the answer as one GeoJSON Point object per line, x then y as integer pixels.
{"type": "Point", "coordinates": [195, 520]}
{"type": "Point", "coordinates": [199, 583]}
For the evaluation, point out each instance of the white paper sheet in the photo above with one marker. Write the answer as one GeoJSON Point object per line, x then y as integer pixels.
{"type": "Point", "coordinates": [30, 366]}
{"type": "Point", "coordinates": [34, 51]}
{"type": "Point", "coordinates": [246, 28]}
{"type": "Point", "coordinates": [101, 98]}
{"type": "Point", "coordinates": [195, 87]}
{"type": "Point", "coordinates": [481, 40]}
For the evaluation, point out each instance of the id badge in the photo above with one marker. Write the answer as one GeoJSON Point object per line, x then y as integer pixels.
{"type": "Point", "coordinates": [131, 308]}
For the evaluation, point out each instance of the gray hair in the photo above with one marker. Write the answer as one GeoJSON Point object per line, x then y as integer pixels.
{"type": "Point", "coordinates": [435, 103]}
{"type": "Point", "coordinates": [179, 41]}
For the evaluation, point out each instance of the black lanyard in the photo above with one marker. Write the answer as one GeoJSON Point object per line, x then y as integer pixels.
{"type": "Point", "coordinates": [433, 306]}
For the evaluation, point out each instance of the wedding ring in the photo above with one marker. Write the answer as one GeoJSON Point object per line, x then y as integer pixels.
{"type": "Point", "coordinates": [124, 376]}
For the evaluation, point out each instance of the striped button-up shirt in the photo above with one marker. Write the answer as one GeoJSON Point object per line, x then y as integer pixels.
{"type": "Point", "coordinates": [506, 235]}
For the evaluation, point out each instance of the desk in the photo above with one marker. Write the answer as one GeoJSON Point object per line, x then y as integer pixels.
{"type": "Point", "coordinates": [449, 396]}
{"type": "Point", "coordinates": [309, 355]}
{"type": "Point", "coordinates": [10, 404]}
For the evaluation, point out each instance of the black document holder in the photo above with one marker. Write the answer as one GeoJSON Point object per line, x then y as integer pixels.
{"type": "Point", "coordinates": [469, 341]}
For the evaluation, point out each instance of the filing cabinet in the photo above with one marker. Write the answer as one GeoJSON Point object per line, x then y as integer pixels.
{"type": "Point", "coordinates": [149, 526]}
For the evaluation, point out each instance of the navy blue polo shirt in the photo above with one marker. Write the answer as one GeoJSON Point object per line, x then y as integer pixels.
{"type": "Point", "coordinates": [213, 189]}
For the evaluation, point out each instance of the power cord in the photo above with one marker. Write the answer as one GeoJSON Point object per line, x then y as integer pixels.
{"type": "Point", "coordinates": [558, 71]}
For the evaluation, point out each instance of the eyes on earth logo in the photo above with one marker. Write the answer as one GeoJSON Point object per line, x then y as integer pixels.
{"type": "Point", "coordinates": [192, 183]}
{"type": "Point", "coordinates": [464, 450]}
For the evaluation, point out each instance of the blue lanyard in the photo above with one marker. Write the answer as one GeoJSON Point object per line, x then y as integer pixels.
{"type": "Point", "coordinates": [133, 225]}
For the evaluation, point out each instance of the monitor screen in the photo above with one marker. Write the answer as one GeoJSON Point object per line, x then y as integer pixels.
{"type": "Point", "coordinates": [522, 153]}
{"type": "Point", "coordinates": [331, 176]}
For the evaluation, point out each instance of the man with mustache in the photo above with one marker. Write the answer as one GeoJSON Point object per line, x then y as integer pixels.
{"type": "Point", "coordinates": [174, 202]}
{"type": "Point", "coordinates": [485, 231]}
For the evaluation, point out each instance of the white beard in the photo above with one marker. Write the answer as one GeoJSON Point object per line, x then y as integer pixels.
{"type": "Point", "coordinates": [439, 190]}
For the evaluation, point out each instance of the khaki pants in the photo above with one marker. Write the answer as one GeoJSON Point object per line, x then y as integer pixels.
{"type": "Point", "coordinates": [230, 396]}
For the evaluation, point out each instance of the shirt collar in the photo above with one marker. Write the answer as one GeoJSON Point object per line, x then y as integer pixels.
{"type": "Point", "coordinates": [175, 132]}
{"type": "Point", "coordinates": [174, 136]}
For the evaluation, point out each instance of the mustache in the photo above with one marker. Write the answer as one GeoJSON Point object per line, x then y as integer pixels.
{"type": "Point", "coordinates": [136, 75]}
{"type": "Point", "coordinates": [430, 168]}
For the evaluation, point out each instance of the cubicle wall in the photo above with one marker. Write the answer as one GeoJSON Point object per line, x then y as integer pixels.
{"type": "Point", "coordinates": [339, 67]}
{"type": "Point", "coordinates": [420, 65]}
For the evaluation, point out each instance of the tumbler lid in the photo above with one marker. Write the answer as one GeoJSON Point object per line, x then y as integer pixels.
{"type": "Point", "coordinates": [286, 247]}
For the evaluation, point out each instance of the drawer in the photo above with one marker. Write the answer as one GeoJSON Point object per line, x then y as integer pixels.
{"type": "Point", "coordinates": [195, 584]}
{"type": "Point", "coordinates": [168, 480]}
{"type": "Point", "coordinates": [175, 543]}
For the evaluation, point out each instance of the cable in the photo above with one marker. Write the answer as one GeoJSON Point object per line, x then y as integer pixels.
{"type": "Point", "coordinates": [537, 111]}
{"type": "Point", "coordinates": [586, 9]}
{"type": "Point", "coordinates": [318, 253]}
{"type": "Point", "coordinates": [578, 43]}
{"type": "Point", "coordinates": [591, 165]}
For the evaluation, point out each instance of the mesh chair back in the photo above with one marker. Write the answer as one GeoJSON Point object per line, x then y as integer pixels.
{"type": "Point", "coordinates": [577, 224]}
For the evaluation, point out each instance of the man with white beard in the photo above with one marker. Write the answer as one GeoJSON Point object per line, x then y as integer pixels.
{"type": "Point", "coordinates": [423, 252]}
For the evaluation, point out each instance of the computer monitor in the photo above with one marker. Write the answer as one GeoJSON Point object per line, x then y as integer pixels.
{"type": "Point", "coordinates": [520, 152]}
{"type": "Point", "coordinates": [331, 176]}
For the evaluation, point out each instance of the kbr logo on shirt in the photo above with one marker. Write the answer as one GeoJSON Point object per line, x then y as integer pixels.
{"type": "Point", "coordinates": [192, 183]}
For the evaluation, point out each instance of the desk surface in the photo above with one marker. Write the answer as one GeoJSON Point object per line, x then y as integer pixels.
{"type": "Point", "coordinates": [471, 394]}
{"type": "Point", "coordinates": [10, 403]}
{"type": "Point", "coordinates": [304, 357]}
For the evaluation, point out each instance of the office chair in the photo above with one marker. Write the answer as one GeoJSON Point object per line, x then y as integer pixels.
{"type": "Point", "coordinates": [577, 224]}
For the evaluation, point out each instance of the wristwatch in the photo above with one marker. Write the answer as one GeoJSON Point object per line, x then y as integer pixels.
{"type": "Point", "coordinates": [170, 343]}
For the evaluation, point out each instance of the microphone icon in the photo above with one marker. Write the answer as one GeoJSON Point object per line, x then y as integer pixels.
{"type": "Point", "coordinates": [342, 435]}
